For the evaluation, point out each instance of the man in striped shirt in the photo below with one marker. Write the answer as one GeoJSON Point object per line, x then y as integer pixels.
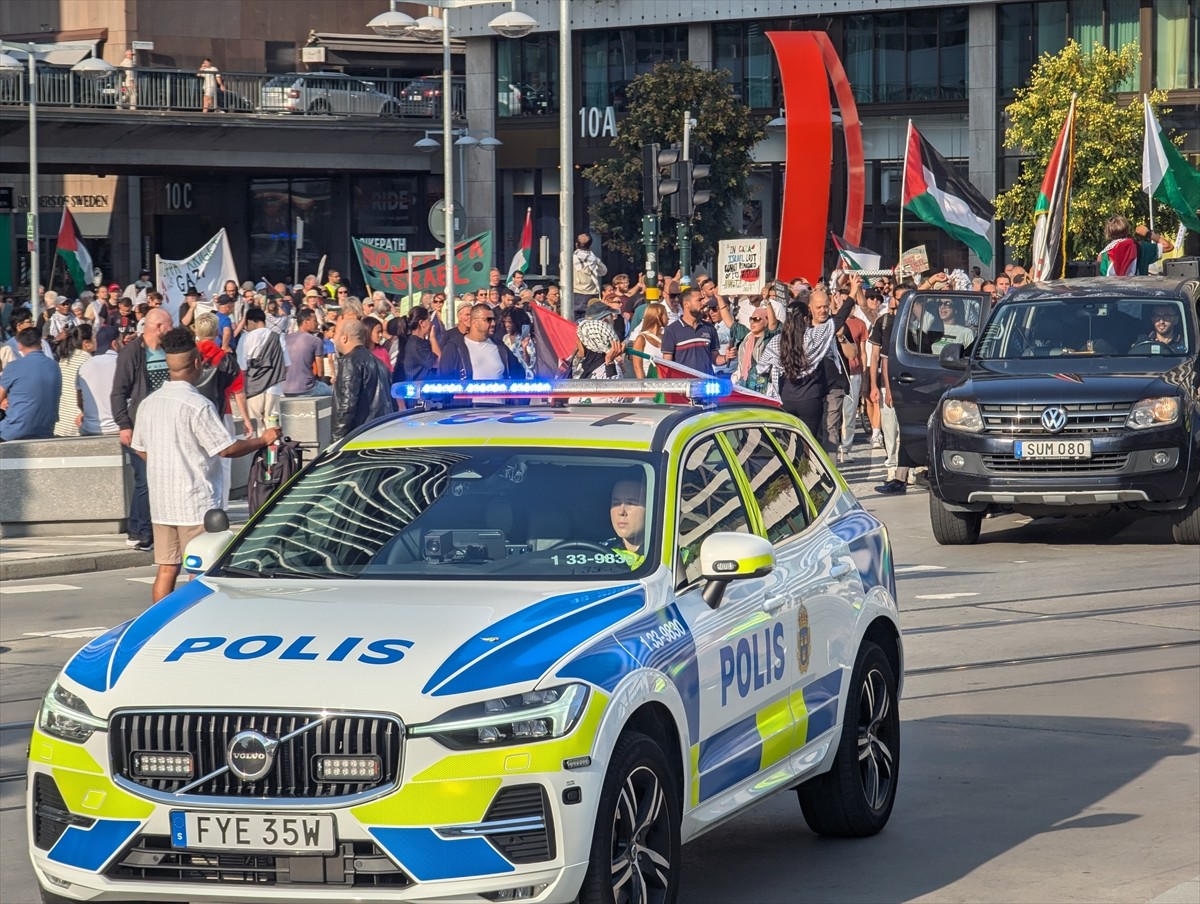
{"type": "Point", "coordinates": [692, 340]}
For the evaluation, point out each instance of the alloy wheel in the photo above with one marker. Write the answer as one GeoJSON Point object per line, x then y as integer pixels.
{"type": "Point", "coordinates": [641, 866]}
{"type": "Point", "coordinates": [875, 740]}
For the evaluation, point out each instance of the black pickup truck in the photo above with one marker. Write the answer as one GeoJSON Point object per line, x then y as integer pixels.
{"type": "Point", "coordinates": [1075, 397]}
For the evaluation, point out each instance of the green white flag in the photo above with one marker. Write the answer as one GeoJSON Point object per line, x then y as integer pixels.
{"type": "Point", "coordinates": [1166, 176]}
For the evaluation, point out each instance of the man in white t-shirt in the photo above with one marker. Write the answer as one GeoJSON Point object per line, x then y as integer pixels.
{"type": "Point", "coordinates": [478, 355]}
{"type": "Point", "coordinates": [94, 384]}
{"type": "Point", "coordinates": [182, 439]}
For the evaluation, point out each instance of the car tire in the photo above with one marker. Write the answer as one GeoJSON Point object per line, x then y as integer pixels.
{"type": "Point", "coordinates": [636, 841]}
{"type": "Point", "coordinates": [953, 528]}
{"type": "Point", "coordinates": [854, 799]}
{"type": "Point", "coordinates": [319, 106]}
{"type": "Point", "coordinates": [389, 111]}
{"type": "Point", "coordinates": [1185, 527]}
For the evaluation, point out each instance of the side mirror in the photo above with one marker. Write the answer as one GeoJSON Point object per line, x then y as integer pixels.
{"type": "Point", "coordinates": [731, 556]}
{"type": "Point", "coordinates": [951, 357]}
{"type": "Point", "coordinates": [207, 548]}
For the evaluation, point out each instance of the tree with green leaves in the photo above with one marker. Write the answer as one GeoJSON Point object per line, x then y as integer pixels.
{"type": "Point", "coordinates": [724, 134]}
{"type": "Point", "coordinates": [1107, 171]}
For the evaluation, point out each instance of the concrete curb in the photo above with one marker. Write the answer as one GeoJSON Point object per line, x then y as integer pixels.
{"type": "Point", "coordinates": [53, 566]}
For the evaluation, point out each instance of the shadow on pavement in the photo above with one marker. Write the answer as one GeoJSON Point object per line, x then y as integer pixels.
{"type": "Point", "coordinates": [971, 789]}
{"type": "Point", "coordinates": [1121, 527]}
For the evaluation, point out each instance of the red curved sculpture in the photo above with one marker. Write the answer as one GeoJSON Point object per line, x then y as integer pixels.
{"type": "Point", "coordinates": [808, 63]}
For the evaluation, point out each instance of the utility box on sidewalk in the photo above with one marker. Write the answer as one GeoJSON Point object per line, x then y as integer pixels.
{"type": "Point", "coordinates": [309, 421]}
{"type": "Point", "coordinates": [73, 485]}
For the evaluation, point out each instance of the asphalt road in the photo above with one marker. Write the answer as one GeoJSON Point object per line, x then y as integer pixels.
{"type": "Point", "coordinates": [1051, 714]}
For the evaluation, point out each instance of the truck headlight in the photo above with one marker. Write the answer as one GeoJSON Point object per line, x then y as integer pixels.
{"type": "Point", "coordinates": [962, 415]}
{"type": "Point", "coordinates": [519, 719]}
{"type": "Point", "coordinates": [64, 715]}
{"type": "Point", "coordinates": [1153, 413]}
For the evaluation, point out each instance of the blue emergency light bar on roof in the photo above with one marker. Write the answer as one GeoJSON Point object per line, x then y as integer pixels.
{"type": "Point", "coordinates": [699, 390]}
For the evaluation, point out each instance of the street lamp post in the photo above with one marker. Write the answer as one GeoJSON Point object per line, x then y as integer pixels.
{"type": "Point", "coordinates": [463, 140]}
{"type": "Point", "coordinates": [566, 168]}
{"type": "Point", "coordinates": [11, 68]}
{"type": "Point", "coordinates": [512, 24]}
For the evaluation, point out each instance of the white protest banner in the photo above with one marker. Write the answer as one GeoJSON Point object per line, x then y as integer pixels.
{"type": "Point", "coordinates": [206, 270]}
{"type": "Point", "coordinates": [914, 261]}
{"type": "Point", "coordinates": [741, 266]}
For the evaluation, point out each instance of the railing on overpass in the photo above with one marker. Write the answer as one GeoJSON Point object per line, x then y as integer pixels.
{"type": "Point", "coordinates": [291, 94]}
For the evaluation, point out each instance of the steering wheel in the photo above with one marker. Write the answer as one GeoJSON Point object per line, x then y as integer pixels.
{"type": "Point", "coordinates": [578, 544]}
{"type": "Point", "coordinates": [1146, 346]}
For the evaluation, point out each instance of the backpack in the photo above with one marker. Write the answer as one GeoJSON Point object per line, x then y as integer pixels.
{"type": "Point", "coordinates": [215, 379]}
{"type": "Point", "coordinates": [267, 476]}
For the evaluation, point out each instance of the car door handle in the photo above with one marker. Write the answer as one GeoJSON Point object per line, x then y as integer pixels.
{"type": "Point", "coordinates": [840, 570]}
{"type": "Point", "coordinates": [906, 378]}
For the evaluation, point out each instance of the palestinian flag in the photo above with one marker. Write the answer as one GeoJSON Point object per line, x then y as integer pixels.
{"type": "Point", "coordinates": [554, 339]}
{"type": "Point", "coordinates": [935, 193]}
{"type": "Point", "coordinates": [1050, 214]}
{"type": "Point", "coordinates": [853, 257]}
{"type": "Point", "coordinates": [1119, 258]}
{"type": "Point", "coordinates": [520, 261]}
{"type": "Point", "coordinates": [75, 257]}
{"type": "Point", "coordinates": [1166, 176]}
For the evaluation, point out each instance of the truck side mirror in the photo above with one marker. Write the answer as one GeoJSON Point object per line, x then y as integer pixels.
{"type": "Point", "coordinates": [951, 357]}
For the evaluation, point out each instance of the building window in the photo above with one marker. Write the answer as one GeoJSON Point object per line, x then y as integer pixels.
{"type": "Point", "coordinates": [612, 59]}
{"type": "Point", "coordinates": [744, 51]}
{"type": "Point", "coordinates": [919, 55]}
{"type": "Point", "coordinates": [1027, 30]}
{"type": "Point", "coordinates": [527, 76]}
{"type": "Point", "coordinates": [274, 206]}
{"type": "Point", "coordinates": [1176, 43]}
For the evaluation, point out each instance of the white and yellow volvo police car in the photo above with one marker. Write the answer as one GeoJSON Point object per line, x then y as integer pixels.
{"type": "Point", "coordinates": [486, 654]}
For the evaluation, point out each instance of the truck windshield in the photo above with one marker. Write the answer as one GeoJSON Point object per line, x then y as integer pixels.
{"type": "Point", "coordinates": [459, 513]}
{"type": "Point", "coordinates": [1101, 327]}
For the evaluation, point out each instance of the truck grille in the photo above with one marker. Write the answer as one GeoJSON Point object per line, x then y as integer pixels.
{"type": "Point", "coordinates": [1101, 463]}
{"type": "Point", "coordinates": [206, 736]}
{"type": "Point", "coordinates": [358, 864]}
{"type": "Point", "coordinates": [1026, 420]}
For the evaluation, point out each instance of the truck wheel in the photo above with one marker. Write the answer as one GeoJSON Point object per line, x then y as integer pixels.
{"type": "Point", "coordinates": [854, 799]}
{"type": "Point", "coordinates": [953, 528]}
{"type": "Point", "coordinates": [635, 844]}
{"type": "Point", "coordinates": [1186, 527]}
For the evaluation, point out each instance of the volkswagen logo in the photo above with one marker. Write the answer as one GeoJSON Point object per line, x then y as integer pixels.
{"type": "Point", "coordinates": [1054, 419]}
{"type": "Point", "coordinates": [251, 755]}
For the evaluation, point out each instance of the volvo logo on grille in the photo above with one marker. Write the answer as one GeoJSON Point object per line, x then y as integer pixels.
{"type": "Point", "coordinates": [1054, 419]}
{"type": "Point", "coordinates": [251, 755]}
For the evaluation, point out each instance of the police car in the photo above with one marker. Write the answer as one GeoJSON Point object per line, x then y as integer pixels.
{"type": "Point", "coordinates": [518, 652]}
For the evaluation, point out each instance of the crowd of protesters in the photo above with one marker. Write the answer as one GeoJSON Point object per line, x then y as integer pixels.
{"type": "Point", "coordinates": [86, 365]}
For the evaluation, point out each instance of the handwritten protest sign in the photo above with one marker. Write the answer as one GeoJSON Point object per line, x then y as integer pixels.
{"type": "Point", "coordinates": [914, 261]}
{"type": "Point", "coordinates": [741, 266]}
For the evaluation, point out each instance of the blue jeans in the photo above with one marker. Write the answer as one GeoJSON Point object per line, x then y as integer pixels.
{"type": "Point", "coordinates": [138, 526]}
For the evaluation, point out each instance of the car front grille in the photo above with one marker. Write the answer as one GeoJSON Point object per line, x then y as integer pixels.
{"type": "Point", "coordinates": [1026, 420]}
{"type": "Point", "coordinates": [206, 736]}
{"type": "Point", "coordinates": [359, 864]}
{"type": "Point", "coordinates": [1101, 463]}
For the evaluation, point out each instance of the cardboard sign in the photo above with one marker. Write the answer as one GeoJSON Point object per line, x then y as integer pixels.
{"type": "Point", "coordinates": [741, 266]}
{"type": "Point", "coordinates": [914, 261]}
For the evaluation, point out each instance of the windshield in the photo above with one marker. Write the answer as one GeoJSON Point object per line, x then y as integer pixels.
{"type": "Point", "coordinates": [458, 513]}
{"type": "Point", "coordinates": [1104, 327]}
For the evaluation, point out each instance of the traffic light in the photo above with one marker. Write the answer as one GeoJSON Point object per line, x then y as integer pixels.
{"type": "Point", "coordinates": [683, 204]}
{"type": "Point", "coordinates": [653, 186]}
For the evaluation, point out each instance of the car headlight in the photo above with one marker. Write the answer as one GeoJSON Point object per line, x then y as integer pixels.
{"type": "Point", "coordinates": [519, 719]}
{"type": "Point", "coordinates": [64, 715]}
{"type": "Point", "coordinates": [1153, 413]}
{"type": "Point", "coordinates": [962, 415]}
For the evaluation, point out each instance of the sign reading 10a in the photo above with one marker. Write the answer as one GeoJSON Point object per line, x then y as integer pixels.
{"type": "Point", "coordinates": [597, 123]}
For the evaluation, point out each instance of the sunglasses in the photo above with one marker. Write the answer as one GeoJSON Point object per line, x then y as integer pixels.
{"type": "Point", "coordinates": [487, 319]}
{"type": "Point", "coordinates": [945, 304]}
{"type": "Point", "coordinates": [756, 319]}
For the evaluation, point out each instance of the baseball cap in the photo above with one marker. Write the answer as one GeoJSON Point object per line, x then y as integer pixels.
{"type": "Point", "coordinates": [711, 304]}
{"type": "Point", "coordinates": [144, 273]}
{"type": "Point", "coordinates": [114, 287]}
{"type": "Point", "coordinates": [247, 286]}
{"type": "Point", "coordinates": [105, 336]}
{"type": "Point", "coordinates": [597, 310]}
